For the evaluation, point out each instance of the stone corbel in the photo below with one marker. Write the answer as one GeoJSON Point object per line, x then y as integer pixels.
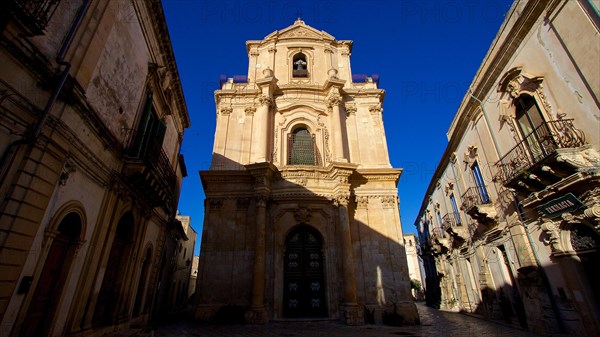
{"type": "Point", "coordinates": [66, 172]}
{"type": "Point", "coordinates": [449, 188]}
{"type": "Point", "coordinates": [552, 230]}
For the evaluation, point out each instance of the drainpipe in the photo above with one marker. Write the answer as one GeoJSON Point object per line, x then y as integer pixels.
{"type": "Point", "coordinates": [31, 137]}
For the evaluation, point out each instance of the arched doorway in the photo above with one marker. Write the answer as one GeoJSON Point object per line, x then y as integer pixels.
{"type": "Point", "coordinates": [304, 276]}
{"type": "Point", "coordinates": [120, 252]}
{"type": "Point", "coordinates": [50, 285]}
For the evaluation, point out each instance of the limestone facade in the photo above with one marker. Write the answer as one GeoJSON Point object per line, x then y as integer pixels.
{"type": "Point", "coordinates": [509, 225]}
{"type": "Point", "coordinates": [301, 211]}
{"type": "Point", "coordinates": [92, 117]}
{"type": "Point", "coordinates": [412, 258]}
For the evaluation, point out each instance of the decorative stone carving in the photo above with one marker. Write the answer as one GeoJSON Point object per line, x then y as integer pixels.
{"type": "Point", "coordinates": [303, 214]}
{"type": "Point", "coordinates": [250, 111]}
{"type": "Point", "coordinates": [215, 203]}
{"type": "Point", "coordinates": [580, 159]}
{"type": "Point", "coordinates": [350, 109]}
{"type": "Point", "coordinates": [376, 110]}
{"type": "Point", "coordinates": [267, 72]}
{"type": "Point", "coordinates": [261, 200]}
{"type": "Point", "coordinates": [226, 111]}
{"type": "Point", "coordinates": [332, 73]}
{"type": "Point", "coordinates": [362, 201]}
{"type": "Point", "coordinates": [265, 100]}
{"type": "Point", "coordinates": [552, 230]}
{"type": "Point", "coordinates": [449, 188]}
{"type": "Point", "coordinates": [341, 199]}
{"type": "Point", "coordinates": [388, 201]}
{"type": "Point", "coordinates": [67, 170]}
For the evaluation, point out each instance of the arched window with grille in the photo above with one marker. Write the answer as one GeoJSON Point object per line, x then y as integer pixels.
{"type": "Point", "coordinates": [302, 149]}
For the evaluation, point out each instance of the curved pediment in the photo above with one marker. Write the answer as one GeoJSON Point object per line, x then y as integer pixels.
{"type": "Point", "coordinates": [299, 30]}
{"type": "Point", "coordinates": [314, 108]}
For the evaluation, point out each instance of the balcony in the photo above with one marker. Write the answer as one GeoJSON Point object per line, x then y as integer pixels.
{"type": "Point", "coordinates": [33, 15]}
{"type": "Point", "coordinates": [478, 205]}
{"type": "Point", "coordinates": [148, 169]}
{"type": "Point", "coordinates": [451, 223]}
{"type": "Point", "coordinates": [439, 241]}
{"type": "Point", "coordinates": [531, 165]}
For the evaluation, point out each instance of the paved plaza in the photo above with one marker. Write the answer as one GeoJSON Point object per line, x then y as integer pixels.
{"type": "Point", "coordinates": [434, 323]}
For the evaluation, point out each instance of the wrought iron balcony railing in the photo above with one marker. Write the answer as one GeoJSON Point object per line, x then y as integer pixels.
{"type": "Point", "coordinates": [437, 233]}
{"type": "Point", "coordinates": [474, 196]}
{"type": "Point", "coordinates": [147, 150]}
{"type": "Point", "coordinates": [536, 146]}
{"type": "Point", "coordinates": [34, 14]}
{"type": "Point", "coordinates": [450, 220]}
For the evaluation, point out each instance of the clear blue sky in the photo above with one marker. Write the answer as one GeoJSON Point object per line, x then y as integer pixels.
{"type": "Point", "coordinates": [426, 53]}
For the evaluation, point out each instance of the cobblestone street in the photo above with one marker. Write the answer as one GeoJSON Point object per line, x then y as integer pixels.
{"type": "Point", "coordinates": [434, 323]}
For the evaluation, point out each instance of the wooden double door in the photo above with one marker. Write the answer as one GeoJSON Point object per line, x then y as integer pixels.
{"type": "Point", "coordinates": [304, 276]}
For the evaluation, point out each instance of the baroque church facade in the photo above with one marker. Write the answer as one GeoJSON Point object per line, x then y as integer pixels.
{"type": "Point", "coordinates": [301, 210]}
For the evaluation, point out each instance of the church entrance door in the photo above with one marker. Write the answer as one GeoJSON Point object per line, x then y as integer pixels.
{"type": "Point", "coordinates": [304, 277]}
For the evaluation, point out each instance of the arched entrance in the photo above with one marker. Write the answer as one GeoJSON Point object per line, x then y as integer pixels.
{"type": "Point", "coordinates": [120, 252]}
{"type": "Point", "coordinates": [304, 276]}
{"type": "Point", "coordinates": [44, 302]}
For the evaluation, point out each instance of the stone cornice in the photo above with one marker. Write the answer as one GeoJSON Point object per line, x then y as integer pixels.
{"type": "Point", "coordinates": [159, 24]}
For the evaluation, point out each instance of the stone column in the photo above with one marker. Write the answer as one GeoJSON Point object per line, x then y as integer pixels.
{"type": "Point", "coordinates": [353, 314]}
{"type": "Point", "coordinates": [260, 146]}
{"type": "Point", "coordinates": [257, 313]}
{"type": "Point", "coordinates": [338, 127]}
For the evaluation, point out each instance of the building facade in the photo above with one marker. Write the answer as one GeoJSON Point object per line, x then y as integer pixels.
{"type": "Point", "coordinates": [92, 117]}
{"type": "Point", "coordinates": [414, 263]}
{"type": "Point", "coordinates": [510, 222]}
{"type": "Point", "coordinates": [301, 202]}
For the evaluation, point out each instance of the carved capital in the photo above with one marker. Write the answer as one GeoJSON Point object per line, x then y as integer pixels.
{"type": "Point", "coordinates": [388, 201]}
{"type": "Point", "coordinates": [362, 201]}
{"type": "Point", "coordinates": [215, 203]}
{"type": "Point", "coordinates": [376, 109]}
{"type": "Point", "coordinates": [350, 109]}
{"type": "Point", "coordinates": [261, 200]}
{"type": "Point", "coordinates": [341, 199]}
{"type": "Point", "coordinates": [226, 111]}
{"type": "Point", "coordinates": [265, 101]}
{"type": "Point", "coordinates": [334, 100]}
{"type": "Point", "coordinates": [250, 111]}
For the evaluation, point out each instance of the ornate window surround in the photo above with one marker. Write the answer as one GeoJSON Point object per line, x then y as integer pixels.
{"type": "Point", "coordinates": [514, 84]}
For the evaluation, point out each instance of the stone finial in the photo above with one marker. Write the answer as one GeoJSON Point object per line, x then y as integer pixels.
{"type": "Point", "coordinates": [267, 72]}
{"type": "Point", "coordinates": [332, 73]}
